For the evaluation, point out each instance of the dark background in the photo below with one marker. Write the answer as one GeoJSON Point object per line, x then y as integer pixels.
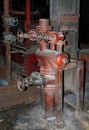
{"type": "Point", "coordinates": [84, 21]}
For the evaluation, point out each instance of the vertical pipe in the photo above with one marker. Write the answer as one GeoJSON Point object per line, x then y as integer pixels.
{"type": "Point", "coordinates": [49, 92]}
{"type": "Point", "coordinates": [27, 22]}
{"type": "Point", "coordinates": [80, 88]}
{"type": "Point", "coordinates": [6, 6]}
{"type": "Point", "coordinates": [8, 62]}
{"type": "Point", "coordinates": [59, 99]}
{"type": "Point", "coordinates": [49, 101]}
{"type": "Point", "coordinates": [6, 11]}
{"type": "Point", "coordinates": [53, 97]}
{"type": "Point", "coordinates": [8, 46]}
{"type": "Point", "coordinates": [43, 45]}
{"type": "Point", "coordinates": [52, 46]}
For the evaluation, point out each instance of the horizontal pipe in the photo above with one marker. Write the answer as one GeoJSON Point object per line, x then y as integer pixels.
{"type": "Point", "coordinates": [18, 13]}
{"type": "Point", "coordinates": [20, 47]}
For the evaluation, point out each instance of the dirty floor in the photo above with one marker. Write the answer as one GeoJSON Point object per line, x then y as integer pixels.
{"type": "Point", "coordinates": [30, 116]}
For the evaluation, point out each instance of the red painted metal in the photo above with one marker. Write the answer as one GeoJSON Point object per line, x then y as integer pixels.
{"type": "Point", "coordinates": [61, 60]}
{"type": "Point", "coordinates": [49, 96]}
{"type": "Point", "coordinates": [27, 61]}
{"type": "Point", "coordinates": [52, 61]}
{"type": "Point", "coordinates": [30, 64]}
{"type": "Point", "coordinates": [27, 21]}
{"type": "Point", "coordinates": [24, 16]}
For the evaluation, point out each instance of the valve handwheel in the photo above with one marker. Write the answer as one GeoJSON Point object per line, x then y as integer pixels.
{"type": "Point", "coordinates": [20, 36]}
{"type": "Point", "coordinates": [15, 21]}
{"type": "Point", "coordinates": [21, 84]}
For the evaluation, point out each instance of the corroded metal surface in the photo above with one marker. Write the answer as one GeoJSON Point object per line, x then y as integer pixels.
{"type": "Point", "coordinates": [52, 61]}
{"type": "Point", "coordinates": [84, 55]}
{"type": "Point", "coordinates": [8, 46]}
{"type": "Point", "coordinates": [27, 21]}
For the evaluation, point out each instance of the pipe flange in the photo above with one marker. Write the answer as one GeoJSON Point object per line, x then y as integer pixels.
{"type": "Point", "coordinates": [9, 37]}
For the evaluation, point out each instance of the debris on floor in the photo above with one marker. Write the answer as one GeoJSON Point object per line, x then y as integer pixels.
{"type": "Point", "coordinates": [31, 117]}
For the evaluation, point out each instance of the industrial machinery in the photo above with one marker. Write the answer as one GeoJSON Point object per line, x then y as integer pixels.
{"type": "Point", "coordinates": [21, 58]}
{"type": "Point", "coordinates": [52, 61]}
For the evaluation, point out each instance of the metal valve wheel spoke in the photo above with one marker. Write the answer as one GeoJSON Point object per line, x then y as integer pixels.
{"type": "Point", "coordinates": [20, 36]}
{"type": "Point", "coordinates": [21, 84]}
{"type": "Point", "coordinates": [15, 21]}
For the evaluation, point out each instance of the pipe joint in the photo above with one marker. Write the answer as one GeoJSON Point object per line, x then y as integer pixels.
{"type": "Point", "coordinates": [9, 37]}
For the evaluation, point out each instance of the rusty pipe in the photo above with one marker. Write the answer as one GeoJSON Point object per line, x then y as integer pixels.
{"type": "Point", "coordinates": [52, 60]}
{"type": "Point", "coordinates": [6, 12]}
{"type": "Point", "coordinates": [28, 20]}
{"type": "Point", "coordinates": [17, 13]}
{"type": "Point", "coordinates": [6, 7]}
{"type": "Point", "coordinates": [8, 46]}
{"type": "Point", "coordinates": [43, 25]}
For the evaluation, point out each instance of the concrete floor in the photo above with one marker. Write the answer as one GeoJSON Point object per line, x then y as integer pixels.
{"type": "Point", "coordinates": [30, 116]}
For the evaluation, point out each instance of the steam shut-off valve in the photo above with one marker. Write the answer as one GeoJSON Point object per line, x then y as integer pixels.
{"type": "Point", "coordinates": [52, 60]}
